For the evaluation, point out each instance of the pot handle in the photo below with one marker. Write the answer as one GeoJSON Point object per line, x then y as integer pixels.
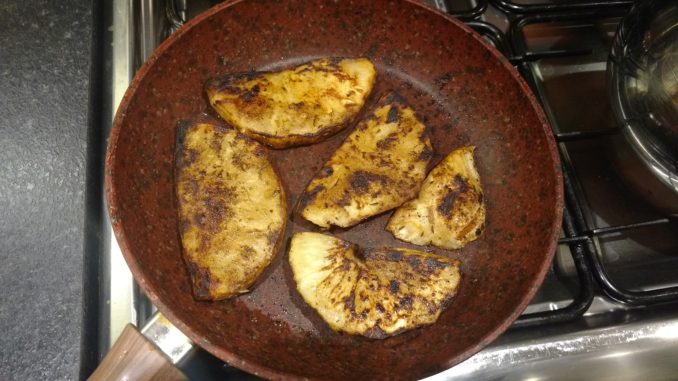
{"type": "Point", "coordinates": [134, 357]}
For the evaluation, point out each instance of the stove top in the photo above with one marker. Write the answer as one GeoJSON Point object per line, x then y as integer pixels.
{"type": "Point", "coordinates": [610, 301]}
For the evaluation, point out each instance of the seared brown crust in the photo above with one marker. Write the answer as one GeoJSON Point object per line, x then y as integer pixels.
{"type": "Point", "coordinates": [379, 166]}
{"type": "Point", "coordinates": [371, 292]}
{"type": "Point", "coordinates": [232, 209]}
{"type": "Point", "coordinates": [297, 106]}
{"type": "Point", "coordinates": [449, 211]}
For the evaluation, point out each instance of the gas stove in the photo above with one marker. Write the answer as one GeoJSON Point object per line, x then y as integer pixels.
{"type": "Point", "coordinates": [608, 308]}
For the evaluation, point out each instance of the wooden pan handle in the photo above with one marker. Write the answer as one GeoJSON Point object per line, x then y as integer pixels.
{"type": "Point", "coordinates": [133, 357]}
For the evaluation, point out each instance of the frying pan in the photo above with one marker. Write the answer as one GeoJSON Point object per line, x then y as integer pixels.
{"type": "Point", "coordinates": [463, 90]}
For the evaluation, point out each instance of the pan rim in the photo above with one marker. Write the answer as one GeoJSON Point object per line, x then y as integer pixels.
{"type": "Point", "coordinates": [260, 369]}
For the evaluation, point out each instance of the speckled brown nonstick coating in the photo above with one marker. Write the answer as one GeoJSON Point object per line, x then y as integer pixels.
{"type": "Point", "coordinates": [462, 89]}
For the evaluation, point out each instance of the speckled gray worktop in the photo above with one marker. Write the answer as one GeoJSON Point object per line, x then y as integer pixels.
{"type": "Point", "coordinates": [45, 49]}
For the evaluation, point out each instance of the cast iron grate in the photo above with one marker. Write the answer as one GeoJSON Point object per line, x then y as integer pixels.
{"type": "Point", "coordinates": [579, 235]}
{"type": "Point", "coordinates": [522, 7]}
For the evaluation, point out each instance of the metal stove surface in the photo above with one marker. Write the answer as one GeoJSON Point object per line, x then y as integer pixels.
{"type": "Point", "coordinates": [609, 306]}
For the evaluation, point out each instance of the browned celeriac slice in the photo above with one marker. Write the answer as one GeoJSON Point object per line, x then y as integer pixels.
{"type": "Point", "coordinates": [232, 209]}
{"type": "Point", "coordinates": [379, 166]}
{"type": "Point", "coordinates": [297, 106]}
{"type": "Point", "coordinates": [449, 211]}
{"type": "Point", "coordinates": [371, 292]}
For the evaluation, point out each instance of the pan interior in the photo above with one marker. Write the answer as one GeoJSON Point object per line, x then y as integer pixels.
{"type": "Point", "coordinates": [460, 90]}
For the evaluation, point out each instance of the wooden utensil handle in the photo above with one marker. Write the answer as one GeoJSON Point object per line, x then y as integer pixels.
{"type": "Point", "coordinates": [133, 357]}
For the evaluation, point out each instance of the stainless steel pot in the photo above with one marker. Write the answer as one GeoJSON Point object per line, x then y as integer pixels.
{"type": "Point", "coordinates": [643, 80]}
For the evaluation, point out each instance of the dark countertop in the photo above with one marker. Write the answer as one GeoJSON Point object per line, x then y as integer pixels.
{"type": "Point", "coordinates": [45, 55]}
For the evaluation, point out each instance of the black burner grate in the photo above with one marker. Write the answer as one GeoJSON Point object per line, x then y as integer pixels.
{"type": "Point", "coordinates": [549, 6]}
{"type": "Point", "coordinates": [579, 235]}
